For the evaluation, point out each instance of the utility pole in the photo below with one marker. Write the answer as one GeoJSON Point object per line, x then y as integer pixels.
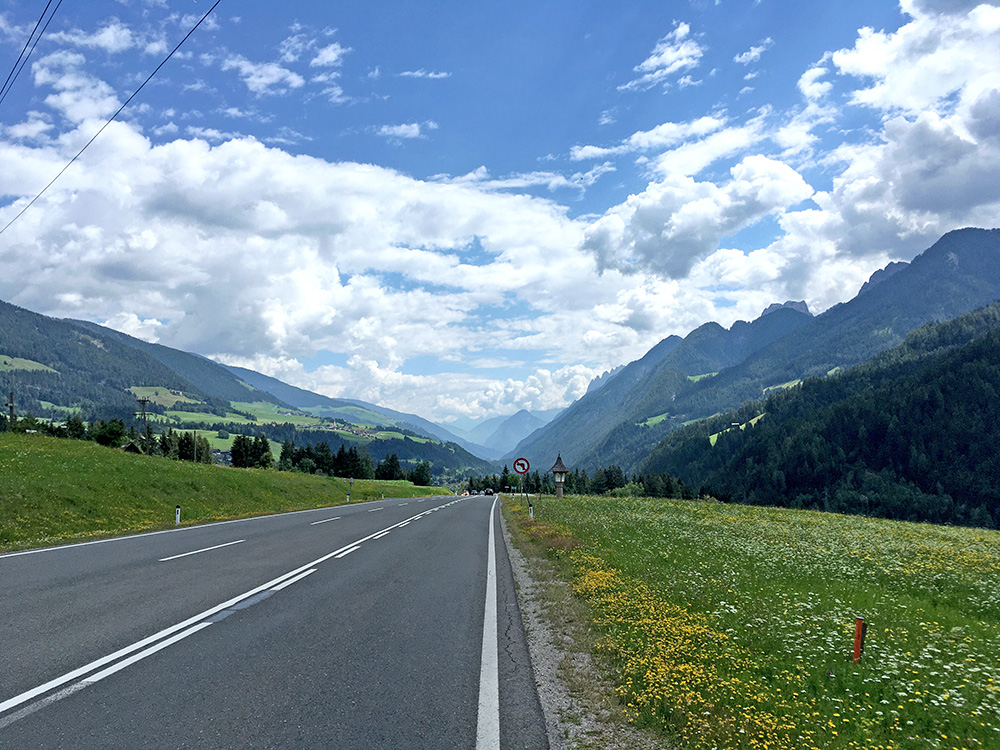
{"type": "Point", "coordinates": [13, 419]}
{"type": "Point", "coordinates": [145, 427]}
{"type": "Point", "coordinates": [143, 401]}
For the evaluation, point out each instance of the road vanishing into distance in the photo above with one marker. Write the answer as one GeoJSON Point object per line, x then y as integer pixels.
{"type": "Point", "coordinates": [389, 624]}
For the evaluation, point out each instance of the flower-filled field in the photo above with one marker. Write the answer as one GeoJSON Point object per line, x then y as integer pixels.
{"type": "Point", "coordinates": [733, 626]}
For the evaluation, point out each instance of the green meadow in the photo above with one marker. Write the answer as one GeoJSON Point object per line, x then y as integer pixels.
{"type": "Point", "coordinates": [715, 437]}
{"type": "Point", "coordinates": [267, 412]}
{"type": "Point", "coordinates": [17, 363]}
{"type": "Point", "coordinates": [54, 491]}
{"type": "Point", "coordinates": [263, 413]}
{"type": "Point", "coordinates": [161, 395]}
{"type": "Point", "coordinates": [782, 386]}
{"type": "Point", "coordinates": [733, 626]}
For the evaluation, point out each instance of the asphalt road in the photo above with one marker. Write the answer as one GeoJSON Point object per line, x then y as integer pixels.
{"type": "Point", "coordinates": [357, 626]}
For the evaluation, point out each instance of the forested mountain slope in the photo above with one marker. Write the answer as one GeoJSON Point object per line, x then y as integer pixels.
{"type": "Point", "coordinates": [957, 274]}
{"type": "Point", "coordinates": [351, 410]}
{"type": "Point", "coordinates": [648, 387]}
{"type": "Point", "coordinates": [210, 377]}
{"type": "Point", "coordinates": [911, 434]}
{"type": "Point", "coordinates": [595, 413]}
{"type": "Point", "coordinates": [710, 348]}
{"type": "Point", "coordinates": [74, 366]}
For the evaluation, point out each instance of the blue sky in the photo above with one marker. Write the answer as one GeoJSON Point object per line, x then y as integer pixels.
{"type": "Point", "coordinates": [463, 209]}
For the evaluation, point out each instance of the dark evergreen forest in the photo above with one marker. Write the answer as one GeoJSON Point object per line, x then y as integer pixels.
{"type": "Point", "coordinates": [912, 434]}
{"type": "Point", "coordinates": [92, 373]}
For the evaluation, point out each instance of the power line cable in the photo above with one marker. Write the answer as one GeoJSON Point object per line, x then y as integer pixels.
{"type": "Point", "coordinates": [15, 71]}
{"type": "Point", "coordinates": [26, 43]}
{"type": "Point", "coordinates": [111, 119]}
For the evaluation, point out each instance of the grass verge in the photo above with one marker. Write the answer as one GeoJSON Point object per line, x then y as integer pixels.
{"type": "Point", "coordinates": [732, 626]}
{"type": "Point", "coordinates": [576, 692]}
{"type": "Point", "coordinates": [54, 491]}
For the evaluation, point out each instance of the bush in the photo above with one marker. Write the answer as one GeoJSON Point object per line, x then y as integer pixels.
{"type": "Point", "coordinates": [632, 489]}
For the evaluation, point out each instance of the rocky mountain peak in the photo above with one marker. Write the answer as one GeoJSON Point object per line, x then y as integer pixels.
{"type": "Point", "coordinates": [800, 306]}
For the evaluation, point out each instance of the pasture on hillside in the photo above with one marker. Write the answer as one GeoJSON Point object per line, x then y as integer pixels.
{"type": "Point", "coordinates": [732, 626]}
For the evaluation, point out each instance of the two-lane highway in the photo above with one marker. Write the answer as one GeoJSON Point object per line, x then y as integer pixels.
{"type": "Point", "coordinates": [348, 627]}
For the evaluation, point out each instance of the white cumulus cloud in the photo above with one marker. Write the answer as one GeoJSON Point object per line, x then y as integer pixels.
{"type": "Point", "coordinates": [331, 55]}
{"type": "Point", "coordinates": [264, 78]}
{"type": "Point", "coordinates": [675, 222]}
{"type": "Point", "coordinates": [674, 53]}
{"type": "Point", "coordinates": [753, 54]}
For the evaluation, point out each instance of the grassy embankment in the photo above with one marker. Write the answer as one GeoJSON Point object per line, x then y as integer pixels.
{"type": "Point", "coordinates": [54, 491]}
{"type": "Point", "coordinates": [733, 626]}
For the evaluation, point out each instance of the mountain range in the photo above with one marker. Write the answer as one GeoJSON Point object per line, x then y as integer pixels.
{"type": "Point", "coordinates": [55, 366]}
{"type": "Point", "coordinates": [713, 369]}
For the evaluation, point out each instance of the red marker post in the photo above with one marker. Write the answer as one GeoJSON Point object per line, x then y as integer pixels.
{"type": "Point", "coordinates": [860, 628]}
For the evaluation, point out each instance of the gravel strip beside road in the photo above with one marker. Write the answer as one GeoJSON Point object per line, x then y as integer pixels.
{"type": "Point", "coordinates": [579, 703]}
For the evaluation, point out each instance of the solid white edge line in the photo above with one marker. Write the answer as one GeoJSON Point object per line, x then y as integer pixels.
{"type": "Point", "coordinates": [126, 537]}
{"type": "Point", "coordinates": [156, 533]}
{"type": "Point", "coordinates": [207, 549]}
{"type": "Point", "coordinates": [17, 700]}
{"type": "Point", "coordinates": [290, 581]}
{"type": "Point", "coordinates": [488, 719]}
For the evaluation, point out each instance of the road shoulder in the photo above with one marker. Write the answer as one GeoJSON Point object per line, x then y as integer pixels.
{"type": "Point", "coordinates": [578, 701]}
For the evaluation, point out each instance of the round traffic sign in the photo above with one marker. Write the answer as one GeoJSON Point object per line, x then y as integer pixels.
{"type": "Point", "coordinates": [521, 465]}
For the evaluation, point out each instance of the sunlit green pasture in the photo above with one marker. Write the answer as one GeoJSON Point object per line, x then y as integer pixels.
{"type": "Point", "coordinates": [393, 435]}
{"type": "Point", "coordinates": [781, 386]}
{"type": "Point", "coordinates": [268, 412]}
{"type": "Point", "coordinates": [181, 417]}
{"type": "Point", "coordinates": [263, 412]}
{"type": "Point", "coordinates": [17, 363]}
{"type": "Point", "coordinates": [714, 437]}
{"type": "Point", "coordinates": [653, 421]}
{"type": "Point", "coordinates": [733, 626]}
{"type": "Point", "coordinates": [160, 395]}
{"type": "Point", "coordinates": [222, 444]}
{"type": "Point", "coordinates": [64, 410]}
{"type": "Point", "coordinates": [54, 490]}
{"type": "Point", "coordinates": [354, 414]}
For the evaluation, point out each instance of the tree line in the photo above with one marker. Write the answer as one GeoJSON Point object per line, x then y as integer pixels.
{"type": "Point", "coordinates": [113, 433]}
{"type": "Point", "coordinates": [410, 449]}
{"type": "Point", "coordinates": [608, 480]}
{"type": "Point", "coordinates": [247, 451]}
{"type": "Point", "coordinates": [353, 462]}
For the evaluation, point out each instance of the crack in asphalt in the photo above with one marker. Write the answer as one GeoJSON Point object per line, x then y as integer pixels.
{"type": "Point", "coordinates": [508, 640]}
